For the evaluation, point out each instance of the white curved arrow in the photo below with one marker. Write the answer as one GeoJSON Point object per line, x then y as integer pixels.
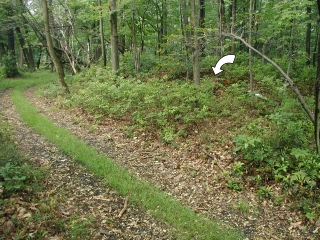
{"type": "Point", "coordinates": [221, 62]}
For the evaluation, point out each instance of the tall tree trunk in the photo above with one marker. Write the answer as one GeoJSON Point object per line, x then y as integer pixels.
{"type": "Point", "coordinates": [202, 17]}
{"type": "Point", "coordinates": [195, 44]}
{"type": "Point", "coordinates": [114, 37]}
{"type": "Point", "coordinates": [164, 22]}
{"type": "Point", "coordinates": [308, 37]}
{"type": "Point", "coordinates": [221, 14]}
{"type": "Point", "coordinates": [185, 25]}
{"type": "Point", "coordinates": [317, 90]}
{"type": "Point", "coordinates": [186, 35]}
{"type": "Point", "coordinates": [52, 53]}
{"type": "Point", "coordinates": [233, 22]}
{"type": "Point", "coordinates": [136, 52]}
{"type": "Point", "coordinates": [250, 52]}
{"type": "Point", "coordinates": [122, 37]}
{"type": "Point", "coordinates": [291, 47]}
{"type": "Point", "coordinates": [11, 69]}
{"type": "Point", "coordinates": [12, 63]}
{"type": "Point", "coordinates": [103, 47]}
{"type": "Point", "coordinates": [27, 51]}
{"type": "Point", "coordinates": [39, 58]}
{"type": "Point", "coordinates": [21, 56]}
{"type": "Point", "coordinates": [2, 51]}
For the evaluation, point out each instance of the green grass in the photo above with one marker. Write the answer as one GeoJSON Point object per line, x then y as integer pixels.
{"type": "Point", "coordinates": [27, 80]}
{"type": "Point", "coordinates": [187, 223]}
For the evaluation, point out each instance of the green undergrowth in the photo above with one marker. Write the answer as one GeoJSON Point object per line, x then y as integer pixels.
{"type": "Point", "coordinates": [22, 183]}
{"type": "Point", "coordinates": [273, 138]}
{"type": "Point", "coordinates": [187, 223]}
{"type": "Point", "coordinates": [27, 79]}
{"type": "Point", "coordinates": [15, 174]}
{"type": "Point", "coordinates": [171, 109]}
{"type": "Point", "coordinates": [279, 147]}
{"type": "Point", "coordinates": [21, 186]}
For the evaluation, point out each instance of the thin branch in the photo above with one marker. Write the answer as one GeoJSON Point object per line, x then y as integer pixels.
{"type": "Point", "coordinates": [124, 207]}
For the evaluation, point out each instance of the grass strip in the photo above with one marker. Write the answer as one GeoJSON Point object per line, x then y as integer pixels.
{"type": "Point", "coordinates": [187, 223]}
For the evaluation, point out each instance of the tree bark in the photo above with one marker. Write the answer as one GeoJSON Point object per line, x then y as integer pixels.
{"type": "Point", "coordinates": [114, 37]}
{"type": "Point", "coordinates": [317, 90]}
{"type": "Point", "coordinates": [250, 52]}
{"type": "Point", "coordinates": [103, 47]}
{"type": "Point", "coordinates": [12, 64]}
{"type": "Point", "coordinates": [202, 17]}
{"type": "Point", "coordinates": [291, 47]}
{"type": "Point", "coordinates": [233, 22]}
{"type": "Point", "coordinates": [308, 37]}
{"type": "Point", "coordinates": [136, 52]}
{"type": "Point", "coordinates": [195, 45]}
{"type": "Point", "coordinates": [164, 22]}
{"type": "Point", "coordinates": [27, 52]}
{"type": "Point", "coordinates": [221, 14]}
{"type": "Point", "coordinates": [52, 53]}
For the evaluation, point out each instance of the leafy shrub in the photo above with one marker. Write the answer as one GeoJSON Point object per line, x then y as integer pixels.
{"type": "Point", "coordinates": [279, 147]}
{"type": "Point", "coordinates": [9, 67]}
{"type": "Point", "coordinates": [14, 174]}
{"type": "Point", "coordinates": [169, 107]}
{"type": "Point", "coordinates": [11, 177]}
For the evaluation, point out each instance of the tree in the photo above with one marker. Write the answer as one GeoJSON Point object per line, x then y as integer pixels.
{"type": "Point", "coordinates": [114, 37]}
{"type": "Point", "coordinates": [103, 47]}
{"type": "Point", "coordinates": [136, 52]}
{"type": "Point", "coordinates": [250, 43]}
{"type": "Point", "coordinates": [317, 91]}
{"type": "Point", "coordinates": [195, 44]}
{"type": "Point", "coordinates": [308, 36]}
{"type": "Point", "coordinates": [56, 61]}
{"type": "Point", "coordinates": [9, 60]}
{"type": "Point", "coordinates": [27, 51]}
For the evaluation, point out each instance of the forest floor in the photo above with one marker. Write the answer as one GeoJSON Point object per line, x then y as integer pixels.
{"type": "Point", "coordinates": [186, 171]}
{"type": "Point", "coordinates": [69, 192]}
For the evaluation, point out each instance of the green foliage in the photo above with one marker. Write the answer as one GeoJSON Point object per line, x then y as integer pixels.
{"type": "Point", "coordinates": [264, 192]}
{"type": "Point", "coordinates": [78, 229]}
{"type": "Point", "coordinates": [278, 147]}
{"type": "Point", "coordinates": [14, 173]}
{"type": "Point", "coordinates": [9, 67]}
{"type": "Point", "coordinates": [13, 177]}
{"type": "Point", "coordinates": [234, 184]}
{"type": "Point", "coordinates": [187, 223]}
{"type": "Point", "coordinates": [169, 107]}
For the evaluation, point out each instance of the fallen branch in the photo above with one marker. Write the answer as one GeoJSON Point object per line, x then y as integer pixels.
{"type": "Point", "coordinates": [124, 207]}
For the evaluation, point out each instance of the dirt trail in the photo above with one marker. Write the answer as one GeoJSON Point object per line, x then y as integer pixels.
{"type": "Point", "coordinates": [78, 191]}
{"type": "Point", "coordinates": [184, 172]}
{"type": "Point", "coordinates": [187, 173]}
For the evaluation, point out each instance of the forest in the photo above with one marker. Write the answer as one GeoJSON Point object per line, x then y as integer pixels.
{"type": "Point", "coordinates": [147, 67]}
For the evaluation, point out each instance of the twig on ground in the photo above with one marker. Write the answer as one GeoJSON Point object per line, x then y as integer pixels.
{"type": "Point", "coordinates": [124, 207]}
{"type": "Point", "coordinates": [272, 236]}
{"type": "Point", "coordinates": [214, 158]}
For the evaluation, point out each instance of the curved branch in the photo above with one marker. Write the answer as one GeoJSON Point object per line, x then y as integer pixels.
{"type": "Point", "coordinates": [288, 79]}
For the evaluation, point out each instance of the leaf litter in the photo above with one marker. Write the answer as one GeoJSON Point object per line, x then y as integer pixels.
{"type": "Point", "coordinates": [187, 171]}
{"type": "Point", "coordinates": [73, 203]}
